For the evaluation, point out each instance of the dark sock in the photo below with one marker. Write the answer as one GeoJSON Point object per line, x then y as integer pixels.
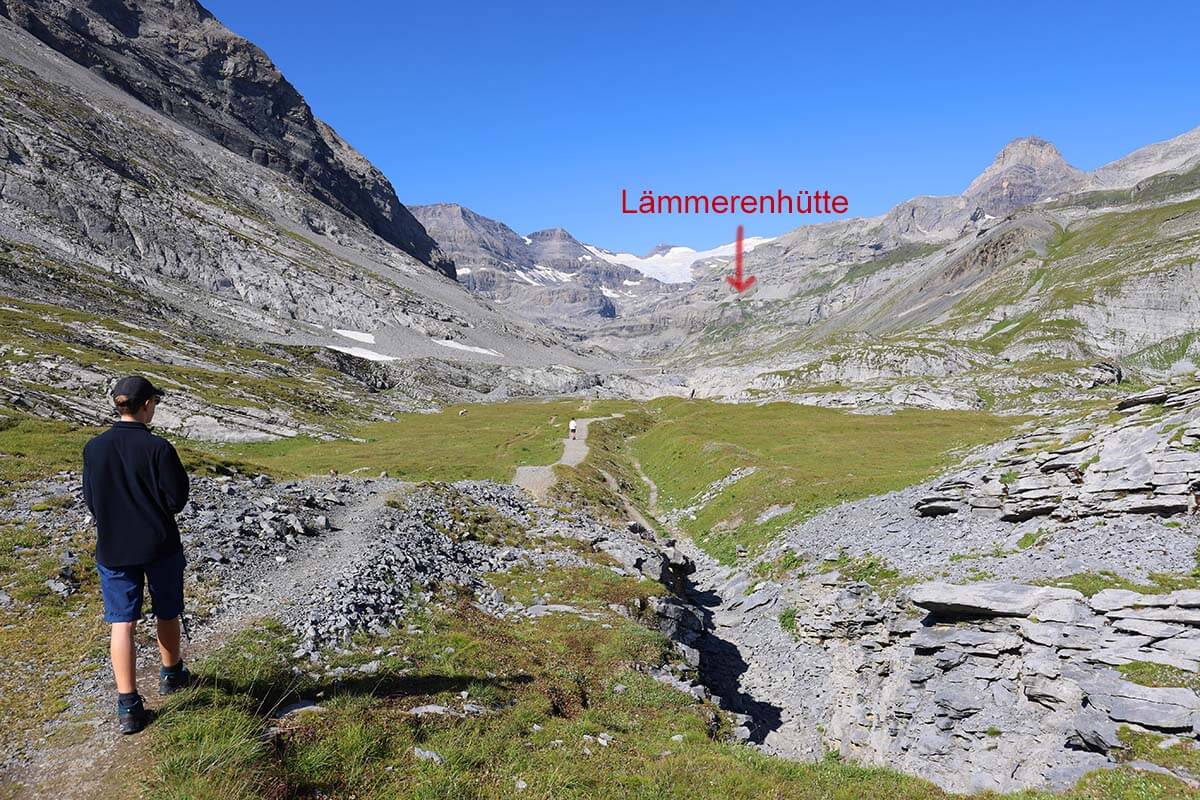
{"type": "Point", "coordinates": [175, 670]}
{"type": "Point", "coordinates": [128, 699]}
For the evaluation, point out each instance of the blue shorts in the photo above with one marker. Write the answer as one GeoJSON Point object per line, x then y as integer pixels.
{"type": "Point", "coordinates": [121, 588]}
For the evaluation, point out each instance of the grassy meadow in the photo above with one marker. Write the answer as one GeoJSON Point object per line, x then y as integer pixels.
{"type": "Point", "coordinates": [805, 459]}
{"type": "Point", "coordinates": [487, 442]}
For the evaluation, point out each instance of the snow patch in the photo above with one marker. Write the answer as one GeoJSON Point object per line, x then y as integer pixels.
{"type": "Point", "coordinates": [463, 271]}
{"type": "Point", "coordinates": [361, 352]}
{"type": "Point", "coordinates": [609, 293]}
{"type": "Point", "coordinates": [358, 336]}
{"type": "Point", "coordinates": [469, 348]}
{"type": "Point", "coordinates": [553, 274]}
{"type": "Point", "coordinates": [631, 283]}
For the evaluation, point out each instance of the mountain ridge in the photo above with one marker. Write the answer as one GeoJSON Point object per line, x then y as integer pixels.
{"type": "Point", "coordinates": [180, 60]}
{"type": "Point", "coordinates": [547, 274]}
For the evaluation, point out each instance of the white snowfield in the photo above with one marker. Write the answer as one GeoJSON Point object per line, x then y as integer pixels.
{"type": "Point", "coordinates": [469, 348]}
{"type": "Point", "coordinates": [675, 265]}
{"type": "Point", "coordinates": [358, 336]}
{"type": "Point", "coordinates": [361, 352]}
{"type": "Point", "coordinates": [550, 273]}
{"type": "Point", "coordinates": [540, 275]}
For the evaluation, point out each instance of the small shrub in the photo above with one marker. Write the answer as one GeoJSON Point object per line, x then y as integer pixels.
{"type": "Point", "coordinates": [1032, 538]}
{"type": "Point", "coordinates": [787, 620]}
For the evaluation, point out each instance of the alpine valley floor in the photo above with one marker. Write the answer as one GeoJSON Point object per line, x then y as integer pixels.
{"type": "Point", "coordinates": [405, 636]}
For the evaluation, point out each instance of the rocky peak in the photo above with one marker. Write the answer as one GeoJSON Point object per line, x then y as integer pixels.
{"type": "Point", "coordinates": [557, 247]}
{"type": "Point", "coordinates": [660, 249]}
{"type": "Point", "coordinates": [471, 239]}
{"type": "Point", "coordinates": [1025, 171]}
{"type": "Point", "coordinates": [1031, 150]}
{"type": "Point", "coordinates": [550, 235]}
{"type": "Point", "coordinates": [450, 213]}
{"type": "Point", "coordinates": [1028, 155]}
{"type": "Point", "coordinates": [175, 57]}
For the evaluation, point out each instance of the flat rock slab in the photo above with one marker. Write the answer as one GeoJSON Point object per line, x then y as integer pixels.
{"type": "Point", "coordinates": [1107, 600]}
{"type": "Point", "coordinates": [987, 599]}
{"type": "Point", "coordinates": [1146, 627]}
{"type": "Point", "coordinates": [1167, 709]}
{"type": "Point", "coordinates": [1181, 616]}
{"type": "Point", "coordinates": [966, 639]}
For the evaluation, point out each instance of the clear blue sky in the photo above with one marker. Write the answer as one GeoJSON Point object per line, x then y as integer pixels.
{"type": "Point", "coordinates": [537, 114]}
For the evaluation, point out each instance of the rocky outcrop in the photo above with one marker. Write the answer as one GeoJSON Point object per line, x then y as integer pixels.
{"type": "Point", "coordinates": [1146, 463]}
{"type": "Point", "coordinates": [181, 61]}
{"type": "Point", "coordinates": [986, 599]}
{"type": "Point", "coordinates": [977, 687]}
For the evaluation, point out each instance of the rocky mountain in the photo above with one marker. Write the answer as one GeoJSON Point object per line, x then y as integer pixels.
{"type": "Point", "coordinates": [1179, 154]}
{"type": "Point", "coordinates": [1025, 171]}
{"type": "Point", "coordinates": [141, 227]}
{"type": "Point", "coordinates": [1006, 293]}
{"type": "Point", "coordinates": [548, 275]}
{"type": "Point", "coordinates": [179, 60]}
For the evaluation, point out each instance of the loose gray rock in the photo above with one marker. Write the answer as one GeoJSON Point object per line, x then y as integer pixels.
{"type": "Point", "coordinates": [986, 599]}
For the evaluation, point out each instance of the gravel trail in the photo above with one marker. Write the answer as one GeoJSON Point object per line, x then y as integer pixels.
{"type": "Point", "coordinates": [537, 480]}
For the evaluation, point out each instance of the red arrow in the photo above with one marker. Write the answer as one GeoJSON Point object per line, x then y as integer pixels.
{"type": "Point", "coordinates": [736, 280]}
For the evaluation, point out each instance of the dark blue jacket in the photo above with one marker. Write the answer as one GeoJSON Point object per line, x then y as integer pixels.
{"type": "Point", "coordinates": [134, 485]}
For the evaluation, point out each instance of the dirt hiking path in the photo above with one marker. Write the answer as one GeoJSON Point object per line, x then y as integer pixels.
{"type": "Point", "coordinates": [537, 480]}
{"type": "Point", "coordinates": [92, 759]}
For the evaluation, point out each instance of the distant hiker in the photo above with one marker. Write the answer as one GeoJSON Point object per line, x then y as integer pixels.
{"type": "Point", "coordinates": [572, 427]}
{"type": "Point", "coordinates": [134, 485]}
{"type": "Point", "coordinates": [692, 396]}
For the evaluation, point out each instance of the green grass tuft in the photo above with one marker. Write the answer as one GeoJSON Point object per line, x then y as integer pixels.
{"type": "Point", "coordinates": [1089, 583]}
{"type": "Point", "coordinates": [787, 620]}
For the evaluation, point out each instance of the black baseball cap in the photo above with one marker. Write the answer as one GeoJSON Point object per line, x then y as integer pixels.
{"type": "Point", "coordinates": [137, 389]}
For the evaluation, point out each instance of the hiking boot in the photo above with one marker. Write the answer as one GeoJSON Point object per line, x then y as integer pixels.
{"type": "Point", "coordinates": [132, 718]}
{"type": "Point", "coordinates": [172, 681]}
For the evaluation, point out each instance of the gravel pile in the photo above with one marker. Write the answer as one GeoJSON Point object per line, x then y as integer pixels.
{"type": "Point", "coordinates": [427, 540]}
{"type": "Point", "coordinates": [237, 529]}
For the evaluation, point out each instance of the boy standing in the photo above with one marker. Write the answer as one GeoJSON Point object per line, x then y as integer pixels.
{"type": "Point", "coordinates": [134, 485]}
